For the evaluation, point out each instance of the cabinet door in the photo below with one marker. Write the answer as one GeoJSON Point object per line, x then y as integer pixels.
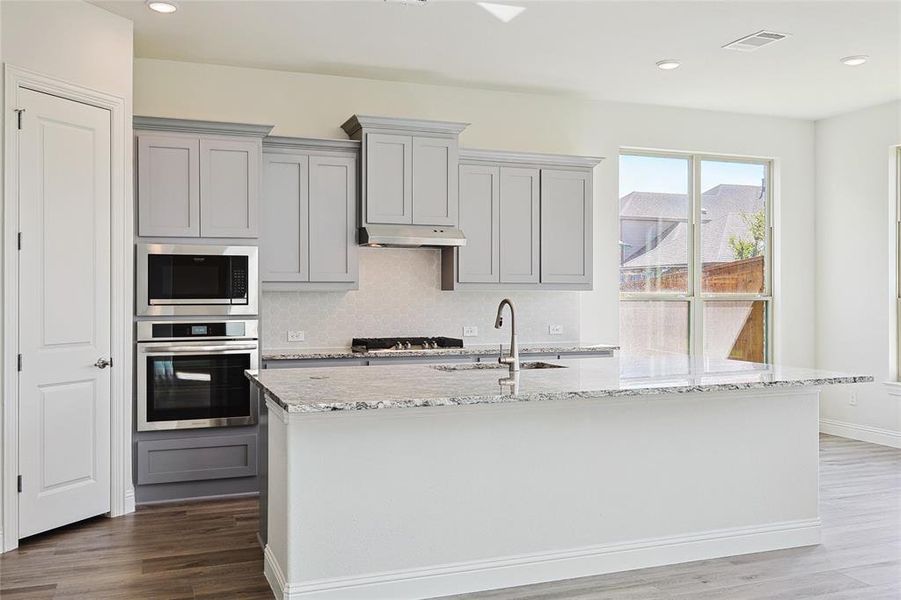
{"type": "Point", "coordinates": [477, 261]}
{"type": "Point", "coordinates": [333, 246]}
{"type": "Point", "coordinates": [434, 181]}
{"type": "Point", "coordinates": [284, 240]}
{"type": "Point", "coordinates": [519, 215]}
{"type": "Point", "coordinates": [229, 187]}
{"type": "Point", "coordinates": [566, 227]}
{"type": "Point", "coordinates": [389, 178]}
{"type": "Point", "coordinates": [168, 186]}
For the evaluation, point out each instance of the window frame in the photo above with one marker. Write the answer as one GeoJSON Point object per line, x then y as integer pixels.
{"type": "Point", "coordinates": [694, 295]}
{"type": "Point", "coordinates": [896, 200]}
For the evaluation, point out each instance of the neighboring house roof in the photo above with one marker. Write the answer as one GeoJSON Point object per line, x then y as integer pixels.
{"type": "Point", "coordinates": [715, 248]}
{"type": "Point", "coordinates": [722, 220]}
{"type": "Point", "coordinates": [715, 202]}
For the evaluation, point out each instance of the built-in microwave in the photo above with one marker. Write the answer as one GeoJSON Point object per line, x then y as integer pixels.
{"type": "Point", "coordinates": [196, 280]}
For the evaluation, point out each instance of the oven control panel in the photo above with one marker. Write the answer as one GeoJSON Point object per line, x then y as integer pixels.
{"type": "Point", "coordinates": [149, 331]}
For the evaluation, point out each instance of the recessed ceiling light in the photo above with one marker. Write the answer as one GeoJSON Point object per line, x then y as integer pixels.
{"type": "Point", "coordinates": [855, 61]}
{"type": "Point", "coordinates": [161, 6]}
{"type": "Point", "coordinates": [668, 64]}
{"type": "Point", "coordinates": [503, 12]}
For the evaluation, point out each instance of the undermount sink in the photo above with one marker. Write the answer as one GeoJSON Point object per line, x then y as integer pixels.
{"type": "Point", "coordinates": [488, 365]}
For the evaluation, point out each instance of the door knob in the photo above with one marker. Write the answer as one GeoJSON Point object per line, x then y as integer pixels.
{"type": "Point", "coordinates": [103, 363]}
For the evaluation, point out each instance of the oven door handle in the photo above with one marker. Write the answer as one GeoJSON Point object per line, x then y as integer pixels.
{"type": "Point", "coordinates": [196, 349]}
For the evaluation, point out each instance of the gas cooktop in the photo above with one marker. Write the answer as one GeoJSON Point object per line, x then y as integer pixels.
{"type": "Point", "coordinates": [403, 343]}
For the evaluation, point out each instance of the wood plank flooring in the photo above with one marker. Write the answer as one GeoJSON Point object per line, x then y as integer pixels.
{"type": "Point", "coordinates": [209, 551]}
{"type": "Point", "coordinates": [186, 551]}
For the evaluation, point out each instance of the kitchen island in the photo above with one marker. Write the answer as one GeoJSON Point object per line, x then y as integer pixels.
{"type": "Point", "coordinates": [417, 481]}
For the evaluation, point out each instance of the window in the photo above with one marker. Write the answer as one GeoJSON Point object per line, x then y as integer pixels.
{"type": "Point", "coordinates": [695, 256]}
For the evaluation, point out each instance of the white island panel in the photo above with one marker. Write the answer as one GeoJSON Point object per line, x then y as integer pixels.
{"type": "Point", "coordinates": [442, 500]}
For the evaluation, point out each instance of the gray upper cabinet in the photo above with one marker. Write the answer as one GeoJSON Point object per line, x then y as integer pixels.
{"type": "Point", "coordinates": [479, 217]}
{"type": "Point", "coordinates": [434, 181]}
{"type": "Point", "coordinates": [389, 178]}
{"type": "Point", "coordinates": [229, 187]}
{"type": "Point", "coordinates": [198, 178]}
{"type": "Point", "coordinates": [566, 226]}
{"type": "Point", "coordinates": [284, 235]}
{"type": "Point", "coordinates": [409, 174]}
{"type": "Point", "coordinates": [168, 185]}
{"type": "Point", "coordinates": [519, 222]}
{"type": "Point", "coordinates": [308, 228]}
{"type": "Point", "coordinates": [333, 248]}
{"type": "Point", "coordinates": [528, 222]}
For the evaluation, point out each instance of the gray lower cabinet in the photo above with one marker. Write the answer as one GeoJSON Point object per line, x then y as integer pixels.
{"type": "Point", "coordinates": [519, 222]}
{"type": "Point", "coordinates": [308, 230]}
{"type": "Point", "coordinates": [197, 178]}
{"type": "Point", "coordinates": [566, 226]}
{"type": "Point", "coordinates": [194, 459]}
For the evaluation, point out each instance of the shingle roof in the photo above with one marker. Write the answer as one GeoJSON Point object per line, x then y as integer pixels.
{"type": "Point", "coordinates": [722, 220]}
{"type": "Point", "coordinates": [717, 201]}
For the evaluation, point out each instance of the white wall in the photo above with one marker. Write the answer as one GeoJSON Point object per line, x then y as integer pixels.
{"type": "Point", "coordinates": [75, 42]}
{"type": "Point", "coordinates": [855, 241]}
{"type": "Point", "coordinates": [316, 105]}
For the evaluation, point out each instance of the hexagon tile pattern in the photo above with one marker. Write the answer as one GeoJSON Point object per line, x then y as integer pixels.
{"type": "Point", "coordinates": [400, 295]}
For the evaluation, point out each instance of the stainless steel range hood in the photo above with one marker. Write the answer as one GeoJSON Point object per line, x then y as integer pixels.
{"type": "Point", "coordinates": [411, 236]}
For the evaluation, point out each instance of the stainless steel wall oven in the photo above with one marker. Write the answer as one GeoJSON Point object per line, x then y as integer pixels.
{"type": "Point", "coordinates": [190, 374]}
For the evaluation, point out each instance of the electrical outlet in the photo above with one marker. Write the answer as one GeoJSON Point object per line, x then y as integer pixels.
{"type": "Point", "coordinates": [470, 331]}
{"type": "Point", "coordinates": [555, 329]}
{"type": "Point", "coordinates": [296, 336]}
{"type": "Point", "coordinates": [852, 399]}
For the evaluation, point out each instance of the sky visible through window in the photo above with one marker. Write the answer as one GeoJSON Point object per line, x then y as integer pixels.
{"type": "Point", "coordinates": [653, 174]}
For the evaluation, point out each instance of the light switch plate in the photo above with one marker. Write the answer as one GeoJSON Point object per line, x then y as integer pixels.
{"type": "Point", "coordinates": [555, 329]}
{"type": "Point", "coordinates": [470, 331]}
{"type": "Point", "coordinates": [296, 336]}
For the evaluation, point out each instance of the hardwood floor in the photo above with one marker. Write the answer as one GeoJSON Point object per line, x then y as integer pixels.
{"type": "Point", "coordinates": [199, 550]}
{"type": "Point", "coordinates": [209, 551]}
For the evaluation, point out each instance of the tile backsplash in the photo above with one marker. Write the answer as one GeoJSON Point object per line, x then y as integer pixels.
{"type": "Point", "coordinates": [400, 295]}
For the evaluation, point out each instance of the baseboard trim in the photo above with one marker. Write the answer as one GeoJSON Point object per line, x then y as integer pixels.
{"type": "Point", "coordinates": [863, 433]}
{"type": "Point", "coordinates": [490, 574]}
{"type": "Point", "coordinates": [200, 498]}
{"type": "Point", "coordinates": [274, 574]}
{"type": "Point", "coordinates": [129, 501]}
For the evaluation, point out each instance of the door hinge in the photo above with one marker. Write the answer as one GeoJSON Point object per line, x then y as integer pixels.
{"type": "Point", "coordinates": [20, 240]}
{"type": "Point", "coordinates": [19, 362]}
{"type": "Point", "coordinates": [19, 112]}
{"type": "Point", "coordinates": [19, 483]}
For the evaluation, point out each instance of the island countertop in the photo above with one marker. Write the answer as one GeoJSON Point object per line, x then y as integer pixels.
{"type": "Point", "coordinates": [314, 354]}
{"type": "Point", "coordinates": [311, 390]}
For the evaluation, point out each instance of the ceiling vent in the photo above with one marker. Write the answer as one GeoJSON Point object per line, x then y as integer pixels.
{"type": "Point", "coordinates": [752, 42]}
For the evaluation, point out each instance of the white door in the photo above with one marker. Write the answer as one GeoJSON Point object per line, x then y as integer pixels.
{"type": "Point", "coordinates": [64, 311]}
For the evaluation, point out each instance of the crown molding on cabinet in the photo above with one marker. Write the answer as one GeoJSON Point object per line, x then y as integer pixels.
{"type": "Point", "coordinates": [508, 157]}
{"type": "Point", "coordinates": [357, 122]}
{"type": "Point", "coordinates": [277, 142]}
{"type": "Point", "coordinates": [200, 127]}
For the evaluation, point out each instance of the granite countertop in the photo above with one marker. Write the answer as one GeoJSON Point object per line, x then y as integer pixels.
{"type": "Point", "coordinates": [310, 390]}
{"type": "Point", "coordinates": [467, 351]}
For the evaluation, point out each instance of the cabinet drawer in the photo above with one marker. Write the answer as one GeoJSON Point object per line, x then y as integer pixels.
{"type": "Point", "coordinates": [165, 461]}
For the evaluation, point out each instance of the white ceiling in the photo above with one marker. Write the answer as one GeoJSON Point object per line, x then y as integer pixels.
{"type": "Point", "coordinates": [604, 50]}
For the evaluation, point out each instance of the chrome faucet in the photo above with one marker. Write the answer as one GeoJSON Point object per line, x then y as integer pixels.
{"type": "Point", "coordinates": [512, 360]}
